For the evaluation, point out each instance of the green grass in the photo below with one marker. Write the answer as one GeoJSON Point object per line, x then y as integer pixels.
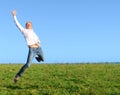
{"type": "Point", "coordinates": [61, 79]}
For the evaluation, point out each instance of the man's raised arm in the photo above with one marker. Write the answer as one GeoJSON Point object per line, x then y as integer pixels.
{"type": "Point", "coordinates": [16, 21]}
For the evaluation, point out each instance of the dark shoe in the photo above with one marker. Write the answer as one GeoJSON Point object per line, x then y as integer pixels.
{"type": "Point", "coordinates": [39, 58]}
{"type": "Point", "coordinates": [16, 79]}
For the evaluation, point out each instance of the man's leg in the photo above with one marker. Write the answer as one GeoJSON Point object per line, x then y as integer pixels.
{"type": "Point", "coordinates": [40, 56]}
{"type": "Point", "coordinates": [29, 60]}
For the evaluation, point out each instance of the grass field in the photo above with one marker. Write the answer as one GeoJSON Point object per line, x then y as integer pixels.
{"type": "Point", "coordinates": [61, 79]}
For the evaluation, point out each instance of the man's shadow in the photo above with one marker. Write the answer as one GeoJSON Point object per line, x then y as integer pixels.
{"type": "Point", "coordinates": [14, 87]}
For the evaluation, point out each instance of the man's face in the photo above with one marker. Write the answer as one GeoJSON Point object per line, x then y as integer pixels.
{"type": "Point", "coordinates": [28, 25]}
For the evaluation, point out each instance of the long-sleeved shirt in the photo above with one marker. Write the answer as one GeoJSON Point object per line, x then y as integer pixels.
{"type": "Point", "coordinates": [29, 35]}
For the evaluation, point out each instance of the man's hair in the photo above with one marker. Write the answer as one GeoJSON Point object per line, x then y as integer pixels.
{"type": "Point", "coordinates": [28, 22]}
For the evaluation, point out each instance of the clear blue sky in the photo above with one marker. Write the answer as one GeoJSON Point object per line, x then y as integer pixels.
{"type": "Point", "coordinates": [70, 30]}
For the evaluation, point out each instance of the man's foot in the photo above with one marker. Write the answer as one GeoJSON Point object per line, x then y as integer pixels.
{"type": "Point", "coordinates": [39, 58]}
{"type": "Point", "coordinates": [16, 79]}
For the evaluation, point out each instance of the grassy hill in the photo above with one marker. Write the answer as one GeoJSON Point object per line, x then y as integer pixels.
{"type": "Point", "coordinates": [61, 79]}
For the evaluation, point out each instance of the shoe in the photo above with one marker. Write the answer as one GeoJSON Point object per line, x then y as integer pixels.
{"type": "Point", "coordinates": [16, 79]}
{"type": "Point", "coordinates": [39, 58]}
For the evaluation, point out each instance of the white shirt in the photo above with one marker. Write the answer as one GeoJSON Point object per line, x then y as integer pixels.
{"type": "Point", "coordinates": [30, 36]}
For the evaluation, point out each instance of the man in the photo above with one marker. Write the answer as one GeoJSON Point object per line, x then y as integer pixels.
{"type": "Point", "coordinates": [33, 44]}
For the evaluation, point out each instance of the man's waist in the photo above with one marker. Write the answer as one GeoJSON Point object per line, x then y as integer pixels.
{"type": "Point", "coordinates": [36, 45]}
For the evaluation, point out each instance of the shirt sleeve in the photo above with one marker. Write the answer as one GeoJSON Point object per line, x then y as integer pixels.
{"type": "Point", "coordinates": [18, 24]}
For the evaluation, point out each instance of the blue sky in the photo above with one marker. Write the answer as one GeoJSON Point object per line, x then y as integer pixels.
{"type": "Point", "coordinates": [69, 30]}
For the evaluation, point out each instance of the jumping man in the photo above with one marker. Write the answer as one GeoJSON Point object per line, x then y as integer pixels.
{"type": "Point", "coordinates": [33, 44]}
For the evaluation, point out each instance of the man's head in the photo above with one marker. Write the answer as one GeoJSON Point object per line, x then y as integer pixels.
{"type": "Point", "coordinates": [28, 25]}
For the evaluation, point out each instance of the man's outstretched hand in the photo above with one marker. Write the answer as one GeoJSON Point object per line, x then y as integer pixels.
{"type": "Point", "coordinates": [14, 13]}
